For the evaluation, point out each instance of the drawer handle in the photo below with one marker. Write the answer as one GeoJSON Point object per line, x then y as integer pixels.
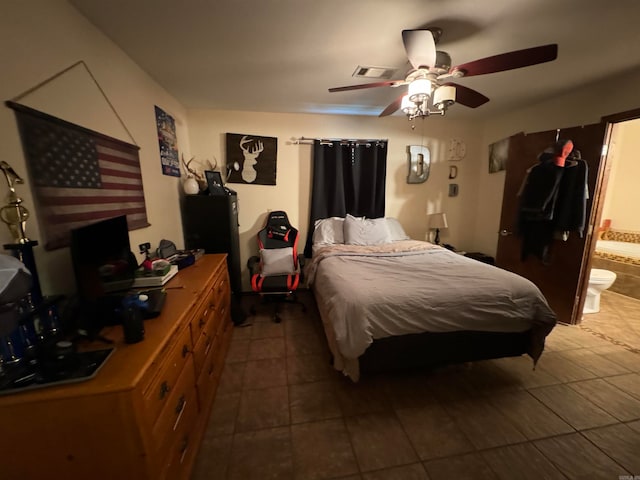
{"type": "Point", "coordinates": [180, 405]}
{"type": "Point", "coordinates": [185, 351]}
{"type": "Point", "coordinates": [211, 368]}
{"type": "Point", "coordinates": [208, 347]}
{"type": "Point", "coordinates": [201, 322]}
{"type": "Point", "coordinates": [184, 446]}
{"type": "Point", "coordinates": [164, 389]}
{"type": "Point", "coordinates": [182, 402]}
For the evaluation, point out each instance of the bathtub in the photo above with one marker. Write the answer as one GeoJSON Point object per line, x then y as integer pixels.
{"type": "Point", "coordinates": [622, 258]}
{"type": "Point", "coordinates": [626, 250]}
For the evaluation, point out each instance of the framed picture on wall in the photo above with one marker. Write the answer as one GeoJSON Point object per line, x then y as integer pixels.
{"type": "Point", "coordinates": [498, 154]}
{"type": "Point", "coordinates": [251, 159]}
{"type": "Point", "coordinates": [214, 182]}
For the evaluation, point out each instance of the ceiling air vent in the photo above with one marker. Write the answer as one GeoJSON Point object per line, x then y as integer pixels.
{"type": "Point", "coordinates": [384, 73]}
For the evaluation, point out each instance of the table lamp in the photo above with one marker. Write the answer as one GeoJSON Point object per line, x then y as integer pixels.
{"type": "Point", "coordinates": [437, 221]}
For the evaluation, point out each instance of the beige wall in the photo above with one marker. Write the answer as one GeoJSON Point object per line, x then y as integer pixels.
{"type": "Point", "coordinates": [42, 37]}
{"type": "Point", "coordinates": [623, 194]}
{"type": "Point", "coordinates": [580, 107]}
{"type": "Point", "coordinates": [409, 203]}
{"type": "Point", "coordinates": [53, 36]}
{"type": "Point", "coordinates": [39, 38]}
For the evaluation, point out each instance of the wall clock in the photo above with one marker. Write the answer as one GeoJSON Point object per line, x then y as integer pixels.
{"type": "Point", "coordinates": [456, 149]}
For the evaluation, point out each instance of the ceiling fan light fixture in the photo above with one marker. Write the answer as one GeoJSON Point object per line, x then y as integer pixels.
{"type": "Point", "coordinates": [420, 90]}
{"type": "Point", "coordinates": [407, 106]}
{"type": "Point", "coordinates": [444, 96]}
{"type": "Point", "coordinates": [443, 62]}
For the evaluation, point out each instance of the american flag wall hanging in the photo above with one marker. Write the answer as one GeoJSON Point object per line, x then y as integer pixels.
{"type": "Point", "coordinates": [78, 176]}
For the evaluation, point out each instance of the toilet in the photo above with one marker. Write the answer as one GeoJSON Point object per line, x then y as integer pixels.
{"type": "Point", "coordinates": [599, 281]}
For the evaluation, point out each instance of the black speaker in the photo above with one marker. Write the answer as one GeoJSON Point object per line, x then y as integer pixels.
{"type": "Point", "coordinates": [211, 222]}
{"type": "Point", "coordinates": [132, 325]}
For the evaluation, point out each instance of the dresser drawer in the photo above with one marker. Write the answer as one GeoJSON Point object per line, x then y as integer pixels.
{"type": "Point", "coordinates": [156, 396]}
{"type": "Point", "coordinates": [205, 311]}
{"type": "Point", "coordinates": [221, 283]}
{"type": "Point", "coordinates": [209, 376]}
{"type": "Point", "coordinates": [181, 399]}
{"type": "Point", "coordinates": [182, 445]}
{"type": "Point", "coordinates": [224, 306]}
{"type": "Point", "coordinates": [220, 288]}
{"type": "Point", "coordinates": [207, 379]}
{"type": "Point", "coordinates": [204, 345]}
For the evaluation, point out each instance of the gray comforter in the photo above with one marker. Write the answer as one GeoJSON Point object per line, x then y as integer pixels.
{"type": "Point", "coordinates": [408, 287]}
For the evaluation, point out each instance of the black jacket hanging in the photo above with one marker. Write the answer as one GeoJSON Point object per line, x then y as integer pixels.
{"type": "Point", "coordinates": [537, 208]}
{"type": "Point", "coordinates": [552, 200]}
{"type": "Point", "coordinates": [571, 206]}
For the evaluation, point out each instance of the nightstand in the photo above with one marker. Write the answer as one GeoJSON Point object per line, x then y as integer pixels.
{"type": "Point", "coordinates": [481, 257]}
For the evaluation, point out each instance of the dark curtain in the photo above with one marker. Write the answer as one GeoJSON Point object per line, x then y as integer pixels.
{"type": "Point", "coordinates": [348, 177]}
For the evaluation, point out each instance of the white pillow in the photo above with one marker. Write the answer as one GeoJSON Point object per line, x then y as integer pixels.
{"type": "Point", "coordinates": [365, 231]}
{"type": "Point", "coordinates": [396, 232]}
{"type": "Point", "coordinates": [328, 231]}
{"type": "Point", "coordinates": [277, 261]}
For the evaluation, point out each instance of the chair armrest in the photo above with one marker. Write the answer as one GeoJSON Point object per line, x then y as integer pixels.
{"type": "Point", "coordinates": [253, 264]}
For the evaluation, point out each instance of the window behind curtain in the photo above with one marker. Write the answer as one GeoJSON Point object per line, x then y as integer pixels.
{"type": "Point", "coordinates": [348, 177]}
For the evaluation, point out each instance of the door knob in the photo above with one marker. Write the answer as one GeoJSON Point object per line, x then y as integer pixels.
{"type": "Point", "coordinates": [504, 233]}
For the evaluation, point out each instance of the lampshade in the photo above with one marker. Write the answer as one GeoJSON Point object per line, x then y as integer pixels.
{"type": "Point", "coordinates": [438, 220]}
{"type": "Point", "coordinates": [407, 106]}
{"type": "Point", "coordinates": [444, 96]}
{"type": "Point", "coordinates": [419, 90]}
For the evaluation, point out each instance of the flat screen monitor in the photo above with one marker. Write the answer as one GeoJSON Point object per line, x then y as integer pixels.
{"type": "Point", "coordinates": [102, 259]}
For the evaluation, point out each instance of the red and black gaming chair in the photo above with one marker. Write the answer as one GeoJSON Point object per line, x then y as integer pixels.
{"type": "Point", "coordinates": [277, 272]}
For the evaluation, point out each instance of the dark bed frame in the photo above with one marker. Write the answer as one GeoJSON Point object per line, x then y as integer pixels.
{"type": "Point", "coordinates": [426, 350]}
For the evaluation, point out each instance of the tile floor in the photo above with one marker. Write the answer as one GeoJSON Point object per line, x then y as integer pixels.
{"type": "Point", "coordinates": [618, 320]}
{"type": "Point", "coordinates": [281, 412]}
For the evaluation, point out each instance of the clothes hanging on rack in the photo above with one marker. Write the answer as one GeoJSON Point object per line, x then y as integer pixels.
{"type": "Point", "coordinates": [553, 199]}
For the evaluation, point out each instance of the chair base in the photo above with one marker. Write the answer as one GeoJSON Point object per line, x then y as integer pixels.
{"type": "Point", "coordinates": [278, 298]}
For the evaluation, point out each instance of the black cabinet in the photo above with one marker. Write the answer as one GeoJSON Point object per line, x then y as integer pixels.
{"type": "Point", "coordinates": [211, 222]}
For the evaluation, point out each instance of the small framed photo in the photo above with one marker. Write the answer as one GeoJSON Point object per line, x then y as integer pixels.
{"type": "Point", "coordinates": [214, 182]}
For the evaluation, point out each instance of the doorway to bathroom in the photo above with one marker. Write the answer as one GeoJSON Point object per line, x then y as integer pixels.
{"type": "Point", "coordinates": [559, 275]}
{"type": "Point", "coordinates": [612, 294]}
{"type": "Point", "coordinates": [564, 279]}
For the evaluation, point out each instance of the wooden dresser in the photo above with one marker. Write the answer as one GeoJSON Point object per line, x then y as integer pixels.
{"type": "Point", "coordinates": [144, 415]}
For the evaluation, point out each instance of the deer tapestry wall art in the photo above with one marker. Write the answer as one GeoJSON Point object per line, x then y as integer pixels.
{"type": "Point", "coordinates": [251, 159]}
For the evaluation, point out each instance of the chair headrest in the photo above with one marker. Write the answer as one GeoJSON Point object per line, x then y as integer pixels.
{"type": "Point", "coordinates": [278, 218]}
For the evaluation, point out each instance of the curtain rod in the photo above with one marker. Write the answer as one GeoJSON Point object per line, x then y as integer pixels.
{"type": "Point", "coordinates": [343, 141]}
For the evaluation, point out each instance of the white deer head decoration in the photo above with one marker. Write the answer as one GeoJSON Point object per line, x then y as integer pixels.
{"type": "Point", "coordinates": [249, 172]}
{"type": "Point", "coordinates": [199, 175]}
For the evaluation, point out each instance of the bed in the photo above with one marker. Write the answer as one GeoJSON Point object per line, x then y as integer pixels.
{"type": "Point", "coordinates": [619, 252]}
{"type": "Point", "coordinates": [388, 301]}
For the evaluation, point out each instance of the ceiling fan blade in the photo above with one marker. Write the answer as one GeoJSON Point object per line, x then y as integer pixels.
{"type": "Point", "coordinates": [388, 83]}
{"type": "Point", "coordinates": [468, 97]}
{"type": "Point", "coordinates": [420, 47]}
{"type": "Point", "coordinates": [509, 61]}
{"type": "Point", "coordinates": [392, 107]}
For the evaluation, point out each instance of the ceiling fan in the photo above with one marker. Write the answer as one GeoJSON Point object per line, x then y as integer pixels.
{"type": "Point", "coordinates": [429, 82]}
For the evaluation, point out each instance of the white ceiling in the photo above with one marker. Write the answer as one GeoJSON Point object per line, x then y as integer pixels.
{"type": "Point", "coordinates": [283, 55]}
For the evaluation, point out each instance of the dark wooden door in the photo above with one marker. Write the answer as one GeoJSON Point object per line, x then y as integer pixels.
{"type": "Point", "coordinates": [560, 280]}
